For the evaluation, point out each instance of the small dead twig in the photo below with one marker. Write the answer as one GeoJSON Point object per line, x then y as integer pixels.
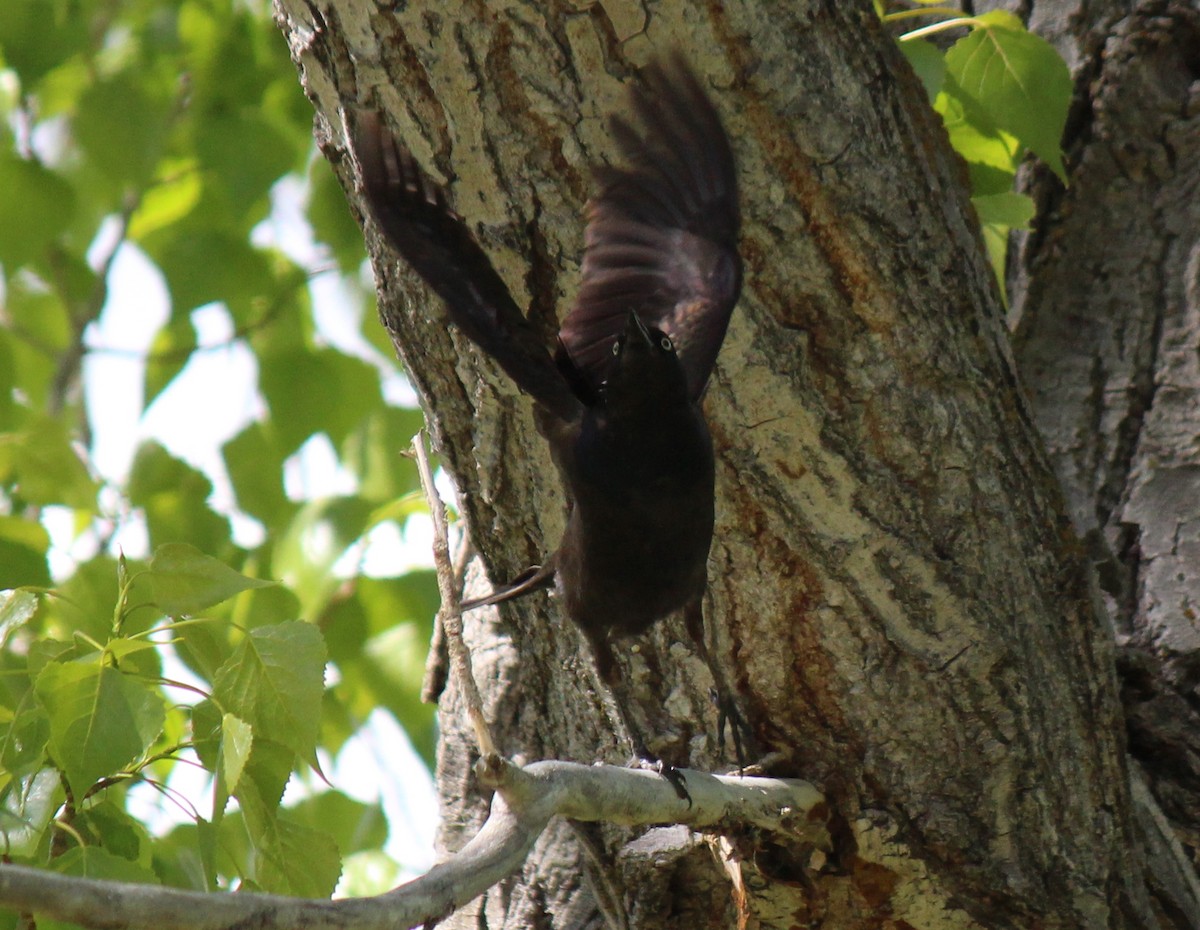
{"type": "Point", "coordinates": [450, 614]}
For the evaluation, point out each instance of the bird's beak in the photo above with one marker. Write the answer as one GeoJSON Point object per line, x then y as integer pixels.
{"type": "Point", "coordinates": [636, 329]}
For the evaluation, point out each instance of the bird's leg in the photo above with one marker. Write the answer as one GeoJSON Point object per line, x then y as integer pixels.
{"type": "Point", "coordinates": [727, 709]}
{"type": "Point", "coordinates": [533, 578]}
{"type": "Point", "coordinates": [606, 665]}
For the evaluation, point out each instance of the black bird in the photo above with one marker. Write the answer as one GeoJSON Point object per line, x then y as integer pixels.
{"type": "Point", "coordinates": [619, 401]}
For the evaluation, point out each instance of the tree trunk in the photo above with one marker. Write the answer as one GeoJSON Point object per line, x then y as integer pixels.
{"type": "Point", "coordinates": [897, 594]}
{"type": "Point", "coordinates": [1106, 335]}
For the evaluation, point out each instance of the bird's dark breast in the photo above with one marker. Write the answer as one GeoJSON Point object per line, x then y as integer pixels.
{"type": "Point", "coordinates": [636, 544]}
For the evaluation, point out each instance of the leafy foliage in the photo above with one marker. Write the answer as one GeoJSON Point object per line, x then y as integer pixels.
{"type": "Point", "coordinates": [1001, 91]}
{"type": "Point", "coordinates": [163, 128]}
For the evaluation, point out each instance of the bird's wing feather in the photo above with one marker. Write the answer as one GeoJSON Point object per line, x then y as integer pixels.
{"type": "Point", "coordinates": [662, 232]}
{"type": "Point", "coordinates": [415, 217]}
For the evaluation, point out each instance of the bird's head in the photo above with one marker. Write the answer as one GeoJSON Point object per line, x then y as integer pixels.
{"type": "Point", "coordinates": [645, 368]}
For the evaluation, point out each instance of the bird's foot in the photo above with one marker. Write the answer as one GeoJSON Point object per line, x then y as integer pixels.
{"type": "Point", "coordinates": [650, 762]}
{"type": "Point", "coordinates": [533, 578]}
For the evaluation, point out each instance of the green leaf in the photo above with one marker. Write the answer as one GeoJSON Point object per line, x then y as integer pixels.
{"type": "Point", "coordinates": [170, 351]}
{"type": "Point", "coordinates": [1019, 79]}
{"type": "Point", "coordinates": [255, 464]}
{"type": "Point", "coordinates": [74, 280]}
{"type": "Point", "coordinates": [274, 681]}
{"type": "Point", "coordinates": [237, 739]}
{"type": "Point", "coordinates": [374, 452]}
{"type": "Point", "coordinates": [995, 240]}
{"type": "Point", "coordinates": [998, 213]}
{"type": "Point", "coordinates": [203, 264]}
{"type": "Point", "coordinates": [23, 548]}
{"type": "Point", "coordinates": [97, 863]}
{"type": "Point", "coordinates": [37, 206]}
{"type": "Point", "coordinates": [353, 825]}
{"type": "Point", "coordinates": [26, 808]}
{"type": "Point", "coordinates": [15, 611]}
{"type": "Point", "coordinates": [202, 646]}
{"type": "Point", "coordinates": [174, 497]}
{"type": "Point", "coordinates": [266, 607]}
{"type": "Point", "coordinates": [1011, 210]}
{"type": "Point", "coordinates": [259, 792]}
{"type": "Point", "coordinates": [43, 652]}
{"type": "Point", "coordinates": [121, 647]}
{"type": "Point", "coordinates": [37, 35]}
{"type": "Point", "coordinates": [41, 317]}
{"type": "Point", "coordinates": [244, 154]}
{"type": "Point", "coordinates": [986, 179]}
{"type": "Point", "coordinates": [368, 873]}
{"type": "Point", "coordinates": [409, 598]}
{"type": "Point", "coordinates": [23, 741]}
{"type": "Point", "coordinates": [185, 581]}
{"type": "Point", "coordinates": [186, 856]}
{"type": "Point", "coordinates": [971, 131]}
{"type": "Point", "coordinates": [380, 640]}
{"type": "Point", "coordinates": [43, 322]}
{"type": "Point", "coordinates": [206, 733]}
{"type": "Point", "coordinates": [100, 720]}
{"type": "Point", "coordinates": [8, 384]}
{"type": "Point", "coordinates": [267, 773]}
{"type": "Point", "coordinates": [46, 467]}
{"type": "Point", "coordinates": [59, 91]}
{"type": "Point", "coordinates": [175, 194]}
{"type": "Point", "coordinates": [347, 628]}
{"type": "Point", "coordinates": [928, 62]}
{"type": "Point", "coordinates": [313, 392]}
{"type": "Point", "coordinates": [88, 599]}
{"type": "Point", "coordinates": [396, 664]}
{"type": "Point", "coordinates": [297, 860]}
{"type": "Point", "coordinates": [316, 538]}
{"type": "Point", "coordinates": [330, 217]}
{"type": "Point", "coordinates": [377, 606]}
{"type": "Point", "coordinates": [122, 125]}
{"type": "Point", "coordinates": [108, 824]}
{"type": "Point", "coordinates": [129, 656]}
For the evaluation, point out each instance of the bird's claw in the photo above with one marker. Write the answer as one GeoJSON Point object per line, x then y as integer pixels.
{"type": "Point", "coordinates": [675, 777]}
{"type": "Point", "coordinates": [651, 763]}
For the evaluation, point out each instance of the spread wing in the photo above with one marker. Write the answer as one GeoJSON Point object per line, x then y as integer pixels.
{"type": "Point", "coordinates": [662, 232]}
{"type": "Point", "coordinates": [414, 215]}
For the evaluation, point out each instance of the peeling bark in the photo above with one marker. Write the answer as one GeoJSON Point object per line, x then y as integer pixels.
{"type": "Point", "coordinates": [897, 592]}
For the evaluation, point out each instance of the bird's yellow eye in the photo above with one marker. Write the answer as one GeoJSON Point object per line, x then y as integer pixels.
{"type": "Point", "coordinates": [666, 344]}
{"type": "Point", "coordinates": [617, 347]}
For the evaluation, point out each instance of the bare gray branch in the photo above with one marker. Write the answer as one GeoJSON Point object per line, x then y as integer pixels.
{"type": "Point", "coordinates": [525, 801]}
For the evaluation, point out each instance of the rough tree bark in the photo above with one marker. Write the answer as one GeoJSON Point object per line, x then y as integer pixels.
{"type": "Point", "coordinates": [1106, 341]}
{"type": "Point", "coordinates": [897, 592]}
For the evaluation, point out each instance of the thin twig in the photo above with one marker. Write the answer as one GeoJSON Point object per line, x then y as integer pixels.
{"type": "Point", "coordinates": [450, 614]}
{"type": "Point", "coordinates": [463, 558]}
{"type": "Point", "coordinates": [437, 665]}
